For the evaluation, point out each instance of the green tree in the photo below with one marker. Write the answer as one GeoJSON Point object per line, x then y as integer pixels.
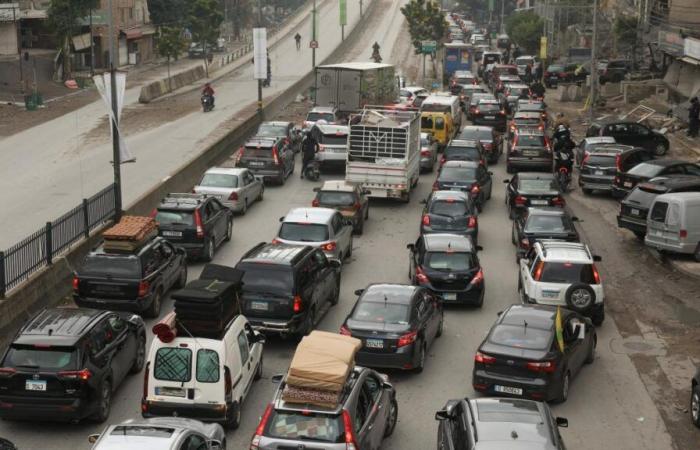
{"type": "Point", "coordinates": [204, 22]}
{"type": "Point", "coordinates": [525, 29]}
{"type": "Point", "coordinates": [169, 12]}
{"type": "Point", "coordinates": [171, 44]}
{"type": "Point", "coordinates": [239, 13]}
{"type": "Point", "coordinates": [425, 22]}
{"type": "Point", "coordinates": [63, 18]}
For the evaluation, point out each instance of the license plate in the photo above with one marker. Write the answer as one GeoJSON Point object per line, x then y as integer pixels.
{"type": "Point", "coordinates": [530, 153]}
{"type": "Point", "coordinates": [628, 184]}
{"type": "Point", "coordinates": [260, 306]}
{"type": "Point", "coordinates": [374, 343]}
{"type": "Point", "coordinates": [508, 390]}
{"type": "Point", "coordinates": [106, 288]}
{"type": "Point", "coordinates": [172, 233]}
{"type": "Point", "coordinates": [656, 233]}
{"type": "Point", "coordinates": [256, 163]}
{"type": "Point", "coordinates": [489, 117]}
{"type": "Point", "coordinates": [455, 188]}
{"type": "Point", "coordinates": [170, 392]}
{"type": "Point", "coordinates": [599, 172]}
{"type": "Point", "coordinates": [634, 211]}
{"type": "Point", "coordinates": [35, 385]}
{"type": "Point", "coordinates": [550, 294]}
{"type": "Point", "coordinates": [449, 296]}
{"type": "Point", "coordinates": [539, 202]}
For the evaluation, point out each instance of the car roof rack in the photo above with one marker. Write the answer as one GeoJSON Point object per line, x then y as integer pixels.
{"type": "Point", "coordinates": [560, 243]}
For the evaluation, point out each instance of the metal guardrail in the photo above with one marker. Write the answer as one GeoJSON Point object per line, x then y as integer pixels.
{"type": "Point", "coordinates": [37, 250]}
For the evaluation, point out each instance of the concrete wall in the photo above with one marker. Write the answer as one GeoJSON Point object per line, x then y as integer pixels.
{"type": "Point", "coordinates": [160, 87]}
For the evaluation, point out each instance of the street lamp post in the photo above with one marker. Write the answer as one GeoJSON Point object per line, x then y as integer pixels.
{"type": "Point", "coordinates": [594, 64]}
{"type": "Point", "coordinates": [313, 36]}
{"type": "Point", "coordinates": [260, 96]}
{"type": "Point", "coordinates": [116, 153]}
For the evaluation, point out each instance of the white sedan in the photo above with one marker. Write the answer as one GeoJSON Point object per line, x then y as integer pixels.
{"type": "Point", "coordinates": [236, 188]}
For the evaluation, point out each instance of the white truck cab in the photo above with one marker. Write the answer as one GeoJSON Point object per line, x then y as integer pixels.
{"type": "Point", "coordinates": [203, 378]}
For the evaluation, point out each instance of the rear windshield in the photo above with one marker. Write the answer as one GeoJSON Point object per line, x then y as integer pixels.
{"type": "Point", "coordinates": [531, 107]}
{"type": "Point", "coordinates": [172, 217]}
{"type": "Point", "coordinates": [552, 224]}
{"type": "Point", "coordinates": [268, 130]}
{"type": "Point", "coordinates": [254, 152]}
{"type": "Point", "coordinates": [449, 208]}
{"type": "Point", "coordinates": [489, 59]}
{"type": "Point", "coordinates": [523, 61]}
{"type": "Point", "coordinates": [207, 366]}
{"type": "Point", "coordinates": [219, 180]}
{"type": "Point", "coordinates": [516, 91]}
{"type": "Point", "coordinates": [489, 107]}
{"type": "Point", "coordinates": [535, 184]}
{"type": "Point", "coordinates": [267, 278]}
{"type": "Point", "coordinates": [529, 140]}
{"type": "Point", "coordinates": [120, 267]}
{"type": "Point", "coordinates": [601, 160]}
{"type": "Point", "coordinates": [465, 80]}
{"type": "Point", "coordinates": [334, 139]}
{"type": "Point", "coordinates": [453, 261]}
{"type": "Point", "coordinates": [521, 337]}
{"type": "Point", "coordinates": [426, 122]}
{"type": "Point", "coordinates": [645, 170]}
{"type": "Point", "coordinates": [476, 134]}
{"type": "Point", "coordinates": [382, 312]}
{"type": "Point", "coordinates": [143, 431]}
{"type": "Point", "coordinates": [315, 117]}
{"type": "Point", "coordinates": [458, 174]}
{"type": "Point", "coordinates": [469, 153]}
{"type": "Point", "coordinates": [527, 120]}
{"type": "Point", "coordinates": [53, 358]}
{"type": "Point", "coordinates": [565, 272]}
{"type": "Point", "coordinates": [305, 426]}
{"type": "Point", "coordinates": [304, 232]}
{"type": "Point", "coordinates": [658, 212]}
{"type": "Point", "coordinates": [173, 364]}
{"type": "Point", "coordinates": [436, 107]}
{"type": "Point", "coordinates": [334, 198]}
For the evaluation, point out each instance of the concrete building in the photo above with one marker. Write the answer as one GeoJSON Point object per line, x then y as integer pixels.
{"type": "Point", "coordinates": [133, 33]}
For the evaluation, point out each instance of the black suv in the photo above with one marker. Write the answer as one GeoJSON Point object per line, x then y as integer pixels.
{"type": "Point", "coordinates": [269, 158]}
{"type": "Point", "coordinates": [65, 364]}
{"type": "Point", "coordinates": [635, 207]}
{"type": "Point", "coordinates": [287, 288]}
{"type": "Point", "coordinates": [600, 166]}
{"type": "Point", "coordinates": [130, 281]}
{"type": "Point", "coordinates": [498, 422]}
{"type": "Point", "coordinates": [613, 71]}
{"type": "Point", "coordinates": [196, 222]}
{"type": "Point", "coordinates": [630, 133]}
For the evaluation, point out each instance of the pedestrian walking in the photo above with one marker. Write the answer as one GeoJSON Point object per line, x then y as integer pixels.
{"type": "Point", "coordinates": [538, 72]}
{"type": "Point", "coordinates": [528, 73]}
{"type": "Point", "coordinates": [694, 117]}
{"type": "Point", "coordinates": [297, 38]}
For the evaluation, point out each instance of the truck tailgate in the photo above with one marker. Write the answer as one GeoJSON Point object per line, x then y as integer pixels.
{"type": "Point", "coordinates": [375, 175]}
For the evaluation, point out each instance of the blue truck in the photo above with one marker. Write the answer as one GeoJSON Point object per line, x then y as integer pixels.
{"type": "Point", "coordinates": [458, 56]}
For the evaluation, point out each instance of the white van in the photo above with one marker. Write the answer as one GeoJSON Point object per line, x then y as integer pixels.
{"type": "Point", "coordinates": [201, 378]}
{"type": "Point", "coordinates": [673, 223]}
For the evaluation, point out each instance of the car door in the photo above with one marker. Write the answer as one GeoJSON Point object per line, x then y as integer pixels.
{"type": "Point", "coordinates": [435, 310]}
{"type": "Point", "coordinates": [256, 347]}
{"type": "Point", "coordinates": [288, 156]}
{"type": "Point", "coordinates": [380, 406]}
{"type": "Point", "coordinates": [512, 190]}
{"type": "Point", "coordinates": [414, 257]}
{"type": "Point", "coordinates": [323, 276]}
{"type": "Point", "coordinates": [169, 264]}
{"type": "Point", "coordinates": [254, 187]}
{"type": "Point", "coordinates": [484, 180]}
{"type": "Point", "coordinates": [221, 215]}
{"type": "Point", "coordinates": [247, 366]}
{"type": "Point", "coordinates": [342, 232]}
{"type": "Point", "coordinates": [125, 342]}
{"type": "Point", "coordinates": [575, 349]}
{"type": "Point", "coordinates": [423, 318]}
{"type": "Point", "coordinates": [106, 356]}
{"type": "Point", "coordinates": [527, 265]}
{"type": "Point", "coordinates": [193, 441]}
{"type": "Point", "coordinates": [639, 136]}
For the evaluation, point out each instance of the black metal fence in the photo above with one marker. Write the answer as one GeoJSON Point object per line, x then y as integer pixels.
{"type": "Point", "coordinates": [37, 250]}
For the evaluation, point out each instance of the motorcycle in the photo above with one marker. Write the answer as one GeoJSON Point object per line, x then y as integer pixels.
{"type": "Point", "coordinates": [564, 165]}
{"type": "Point", "coordinates": [312, 171]}
{"type": "Point", "coordinates": [207, 103]}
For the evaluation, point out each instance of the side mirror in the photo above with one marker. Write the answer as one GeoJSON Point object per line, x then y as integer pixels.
{"type": "Point", "coordinates": [562, 422]}
{"type": "Point", "coordinates": [335, 263]}
{"type": "Point", "coordinates": [282, 219]}
{"type": "Point", "coordinates": [479, 248]}
{"type": "Point", "coordinates": [359, 292]}
{"type": "Point", "coordinates": [317, 189]}
{"type": "Point", "coordinates": [215, 445]}
{"type": "Point", "coordinates": [93, 438]}
{"type": "Point", "coordinates": [411, 247]}
{"type": "Point", "coordinates": [575, 219]}
{"type": "Point", "coordinates": [507, 180]}
{"type": "Point", "coordinates": [597, 258]}
{"type": "Point", "coordinates": [442, 415]}
{"type": "Point", "coordinates": [259, 337]}
{"type": "Point", "coordinates": [277, 379]}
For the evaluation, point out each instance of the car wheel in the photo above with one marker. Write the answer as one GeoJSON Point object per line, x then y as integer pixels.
{"type": "Point", "coordinates": [660, 149]}
{"type": "Point", "coordinates": [229, 226]}
{"type": "Point", "coordinates": [262, 193]}
{"type": "Point", "coordinates": [479, 303]}
{"type": "Point", "coordinates": [140, 358]}
{"type": "Point", "coordinates": [587, 191]}
{"type": "Point", "coordinates": [209, 250]}
{"type": "Point", "coordinates": [335, 297]}
{"type": "Point", "coordinates": [564, 394]}
{"type": "Point", "coordinates": [641, 235]}
{"type": "Point", "coordinates": [233, 419]}
{"type": "Point", "coordinates": [580, 297]}
{"type": "Point", "coordinates": [695, 405]}
{"type": "Point", "coordinates": [393, 418]}
{"type": "Point", "coordinates": [591, 352]}
{"type": "Point", "coordinates": [154, 310]}
{"type": "Point", "coordinates": [182, 280]}
{"type": "Point", "coordinates": [598, 318]}
{"type": "Point", "coordinates": [349, 252]}
{"type": "Point", "coordinates": [310, 321]}
{"type": "Point", "coordinates": [441, 327]}
{"type": "Point", "coordinates": [361, 227]}
{"type": "Point", "coordinates": [245, 206]}
{"type": "Point", "coordinates": [105, 402]}
{"type": "Point", "coordinates": [513, 239]}
{"type": "Point", "coordinates": [421, 359]}
{"type": "Point", "coordinates": [697, 253]}
{"type": "Point", "coordinates": [259, 370]}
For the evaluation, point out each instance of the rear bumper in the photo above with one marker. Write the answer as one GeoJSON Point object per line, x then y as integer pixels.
{"type": "Point", "coordinates": [618, 192]}
{"type": "Point", "coordinates": [267, 174]}
{"type": "Point", "coordinates": [426, 162]}
{"type": "Point", "coordinates": [499, 124]}
{"type": "Point", "coordinates": [473, 295]}
{"type": "Point", "coordinates": [534, 388]}
{"type": "Point", "coordinates": [530, 163]}
{"type": "Point", "coordinates": [193, 249]}
{"type": "Point", "coordinates": [59, 410]}
{"type": "Point", "coordinates": [331, 158]}
{"type": "Point", "coordinates": [599, 183]}
{"type": "Point", "coordinates": [282, 326]}
{"type": "Point", "coordinates": [404, 358]}
{"type": "Point", "coordinates": [203, 412]}
{"type": "Point", "coordinates": [632, 224]}
{"type": "Point", "coordinates": [676, 247]}
{"type": "Point", "coordinates": [133, 305]}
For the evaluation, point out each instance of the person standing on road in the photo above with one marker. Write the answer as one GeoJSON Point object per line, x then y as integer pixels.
{"type": "Point", "coordinates": [694, 117]}
{"type": "Point", "coordinates": [297, 38]}
{"type": "Point", "coordinates": [309, 148]}
{"type": "Point", "coordinates": [538, 72]}
{"type": "Point", "coordinates": [528, 73]}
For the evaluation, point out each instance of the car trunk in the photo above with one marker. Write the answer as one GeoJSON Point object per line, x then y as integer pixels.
{"type": "Point", "coordinates": [177, 225]}
{"type": "Point", "coordinates": [109, 277]}
{"type": "Point", "coordinates": [377, 337]}
{"type": "Point", "coordinates": [268, 292]}
{"type": "Point", "coordinates": [450, 280]}
{"type": "Point", "coordinates": [664, 223]}
{"type": "Point", "coordinates": [108, 288]}
{"type": "Point", "coordinates": [542, 198]}
{"type": "Point", "coordinates": [448, 223]}
{"type": "Point", "coordinates": [257, 158]}
{"type": "Point", "coordinates": [531, 152]}
{"type": "Point", "coordinates": [629, 181]}
{"type": "Point", "coordinates": [512, 361]}
{"type": "Point", "coordinates": [595, 166]}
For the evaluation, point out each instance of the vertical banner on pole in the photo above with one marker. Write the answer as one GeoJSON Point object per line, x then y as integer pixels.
{"type": "Point", "coordinates": [490, 5]}
{"type": "Point", "coordinates": [102, 83]}
{"type": "Point", "coordinates": [543, 47]}
{"type": "Point", "coordinates": [343, 12]}
{"type": "Point", "coordinates": [260, 53]}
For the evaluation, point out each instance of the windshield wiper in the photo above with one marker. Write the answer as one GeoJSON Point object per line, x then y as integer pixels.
{"type": "Point", "coordinates": [27, 366]}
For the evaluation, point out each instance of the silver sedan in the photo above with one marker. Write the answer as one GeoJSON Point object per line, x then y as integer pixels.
{"type": "Point", "coordinates": [172, 433]}
{"type": "Point", "coordinates": [236, 188]}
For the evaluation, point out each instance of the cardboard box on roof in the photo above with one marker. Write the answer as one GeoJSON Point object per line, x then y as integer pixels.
{"type": "Point", "coordinates": [323, 361]}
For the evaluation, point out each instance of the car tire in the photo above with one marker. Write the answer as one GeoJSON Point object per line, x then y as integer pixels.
{"type": "Point", "coordinates": [591, 352]}
{"type": "Point", "coordinates": [640, 237]}
{"type": "Point", "coordinates": [309, 322]}
{"type": "Point", "coordinates": [245, 207]}
{"type": "Point", "coordinates": [513, 240]}
{"type": "Point", "coordinates": [695, 405]}
{"type": "Point", "coordinates": [140, 359]}
{"type": "Point", "coordinates": [696, 254]}
{"type": "Point", "coordinates": [660, 149]}
{"type": "Point", "coordinates": [262, 193]}
{"type": "Point", "coordinates": [598, 318]}
{"type": "Point", "coordinates": [360, 228]}
{"type": "Point", "coordinates": [182, 280]}
{"type": "Point", "coordinates": [209, 248]}
{"type": "Point", "coordinates": [479, 303]}
{"type": "Point", "coordinates": [105, 402]}
{"type": "Point", "coordinates": [587, 191]}
{"type": "Point", "coordinates": [229, 225]}
{"type": "Point", "coordinates": [421, 359]}
{"type": "Point", "coordinates": [580, 297]}
{"type": "Point", "coordinates": [441, 327]}
{"type": "Point", "coordinates": [153, 311]}
{"type": "Point", "coordinates": [259, 370]}
{"type": "Point", "coordinates": [393, 418]}
{"type": "Point", "coordinates": [564, 393]}
{"type": "Point", "coordinates": [233, 418]}
{"type": "Point", "coordinates": [348, 254]}
{"type": "Point", "coordinates": [336, 293]}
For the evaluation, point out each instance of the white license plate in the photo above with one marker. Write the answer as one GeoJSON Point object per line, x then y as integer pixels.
{"type": "Point", "coordinates": [656, 233]}
{"type": "Point", "coordinates": [628, 184]}
{"type": "Point", "coordinates": [599, 172]}
{"type": "Point", "coordinates": [260, 306]}
{"type": "Point", "coordinates": [374, 343]}
{"type": "Point", "coordinates": [172, 233]}
{"type": "Point", "coordinates": [550, 294]}
{"type": "Point", "coordinates": [530, 153]}
{"type": "Point", "coordinates": [489, 117]}
{"type": "Point", "coordinates": [455, 188]}
{"type": "Point", "coordinates": [449, 296]}
{"type": "Point", "coordinates": [35, 385]}
{"type": "Point", "coordinates": [508, 390]}
{"type": "Point", "coordinates": [539, 202]}
{"type": "Point", "coordinates": [256, 163]}
{"type": "Point", "coordinates": [634, 211]}
{"type": "Point", "coordinates": [170, 392]}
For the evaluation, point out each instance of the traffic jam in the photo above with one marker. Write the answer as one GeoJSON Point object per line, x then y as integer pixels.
{"type": "Point", "coordinates": [201, 360]}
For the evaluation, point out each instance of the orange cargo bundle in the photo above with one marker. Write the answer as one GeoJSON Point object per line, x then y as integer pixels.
{"type": "Point", "coordinates": [132, 228]}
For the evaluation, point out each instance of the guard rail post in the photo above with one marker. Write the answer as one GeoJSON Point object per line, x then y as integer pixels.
{"type": "Point", "coordinates": [2, 274]}
{"type": "Point", "coordinates": [86, 218]}
{"type": "Point", "coordinates": [49, 243]}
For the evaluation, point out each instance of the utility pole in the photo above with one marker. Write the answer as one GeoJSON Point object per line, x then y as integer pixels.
{"type": "Point", "coordinates": [594, 64]}
{"type": "Point", "coordinates": [92, 49]}
{"type": "Point", "coordinates": [116, 152]}
{"type": "Point", "coordinates": [503, 4]}
{"type": "Point", "coordinates": [18, 36]}
{"type": "Point", "coordinates": [313, 37]}
{"type": "Point", "coordinates": [260, 82]}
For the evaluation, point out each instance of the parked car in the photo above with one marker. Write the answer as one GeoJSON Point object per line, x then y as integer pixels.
{"type": "Point", "coordinates": [287, 288]}
{"type": "Point", "coordinates": [560, 273]}
{"type": "Point", "coordinates": [559, 73]}
{"type": "Point", "coordinates": [234, 187]}
{"type": "Point", "coordinates": [324, 228]}
{"type": "Point", "coordinates": [130, 281]}
{"type": "Point", "coordinates": [270, 159]}
{"type": "Point", "coordinates": [328, 114]}
{"type": "Point", "coordinates": [162, 433]}
{"type": "Point", "coordinates": [589, 144]}
{"type": "Point", "coordinates": [470, 177]}
{"type": "Point", "coordinates": [220, 370]}
{"type": "Point", "coordinates": [625, 181]}
{"type": "Point", "coordinates": [495, 422]}
{"type": "Point", "coordinates": [286, 130]}
{"type": "Point", "coordinates": [600, 166]}
{"type": "Point", "coordinates": [613, 71]}
{"type": "Point", "coordinates": [529, 150]}
{"type": "Point", "coordinates": [673, 223]}
{"type": "Point", "coordinates": [532, 189]}
{"type": "Point", "coordinates": [630, 133]}
{"type": "Point", "coordinates": [396, 323]}
{"type": "Point", "coordinates": [428, 152]}
{"type": "Point", "coordinates": [695, 399]}
{"type": "Point", "coordinates": [523, 356]}
{"type": "Point", "coordinates": [490, 113]}
{"type": "Point", "coordinates": [491, 141]}
{"type": "Point", "coordinates": [634, 208]}
{"type": "Point", "coordinates": [448, 265]}
{"type": "Point", "coordinates": [347, 198]}
{"type": "Point", "coordinates": [198, 223]}
{"type": "Point", "coordinates": [365, 415]}
{"type": "Point", "coordinates": [463, 150]}
{"type": "Point", "coordinates": [450, 212]}
{"type": "Point", "coordinates": [544, 222]}
{"type": "Point", "coordinates": [65, 364]}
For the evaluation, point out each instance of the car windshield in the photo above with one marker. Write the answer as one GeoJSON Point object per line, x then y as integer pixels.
{"type": "Point", "coordinates": [269, 130]}
{"type": "Point", "coordinates": [645, 170]}
{"type": "Point", "coordinates": [267, 278]}
{"type": "Point", "coordinates": [548, 223]}
{"type": "Point", "coordinates": [174, 217]}
{"type": "Point", "coordinates": [490, 59]}
{"type": "Point", "coordinates": [516, 91]}
{"type": "Point", "coordinates": [529, 140]}
{"type": "Point", "coordinates": [334, 139]}
{"type": "Point", "coordinates": [219, 180]}
{"type": "Point", "coordinates": [566, 272]}
{"type": "Point", "coordinates": [50, 358]}
{"type": "Point", "coordinates": [173, 364]}
{"type": "Point", "coordinates": [464, 80]}
{"type": "Point", "coordinates": [535, 184]}
{"type": "Point", "coordinates": [304, 232]}
{"type": "Point", "coordinates": [114, 266]}
{"type": "Point", "coordinates": [335, 198]}
{"type": "Point", "coordinates": [316, 116]}
{"type": "Point", "coordinates": [600, 160]}
{"type": "Point", "coordinates": [464, 153]}
{"type": "Point", "coordinates": [521, 61]}
{"type": "Point", "coordinates": [381, 312]}
{"type": "Point", "coordinates": [642, 196]}
{"type": "Point", "coordinates": [451, 208]}
{"type": "Point", "coordinates": [523, 337]}
{"type": "Point", "coordinates": [478, 134]}
{"type": "Point", "coordinates": [143, 431]}
{"type": "Point", "coordinates": [458, 174]}
{"type": "Point", "coordinates": [305, 426]}
{"type": "Point", "coordinates": [455, 261]}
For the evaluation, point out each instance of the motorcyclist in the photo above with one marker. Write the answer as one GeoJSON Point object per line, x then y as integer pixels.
{"type": "Point", "coordinates": [537, 89]}
{"type": "Point", "coordinates": [563, 148]}
{"type": "Point", "coordinates": [561, 120]}
{"type": "Point", "coordinates": [309, 148]}
{"type": "Point", "coordinates": [208, 91]}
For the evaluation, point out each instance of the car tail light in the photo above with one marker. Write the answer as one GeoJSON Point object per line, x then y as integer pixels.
{"type": "Point", "coordinates": [143, 288]}
{"type": "Point", "coordinates": [596, 274]}
{"type": "Point", "coordinates": [345, 331]}
{"type": "Point", "coordinates": [407, 339]}
{"type": "Point", "coordinates": [240, 155]}
{"type": "Point", "coordinates": [538, 271]}
{"type": "Point", "coordinates": [233, 196]}
{"type": "Point", "coordinates": [297, 307]}
{"type": "Point", "coordinates": [315, 202]}
{"type": "Point", "coordinates": [255, 442]}
{"type": "Point", "coordinates": [586, 155]}
{"type": "Point", "coordinates": [421, 277]}
{"type": "Point", "coordinates": [562, 74]}
{"type": "Point", "coordinates": [558, 201]}
{"type": "Point", "coordinates": [478, 278]}
{"type": "Point", "coordinates": [525, 243]}
{"type": "Point", "coordinates": [76, 284]}
{"type": "Point", "coordinates": [520, 200]}
{"type": "Point", "coordinates": [425, 152]}
{"type": "Point", "coordinates": [546, 74]}
{"type": "Point", "coordinates": [436, 186]}
{"type": "Point", "coordinates": [6, 372]}
{"type": "Point", "coordinates": [617, 179]}
{"type": "Point", "coordinates": [472, 222]}
{"type": "Point", "coordinates": [618, 162]}
{"type": "Point", "coordinates": [426, 220]}
{"type": "Point", "coordinates": [146, 374]}
{"type": "Point", "coordinates": [154, 211]}
{"type": "Point", "coordinates": [350, 440]}
{"type": "Point", "coordinates": [683, 234]}
{"type": "Point", "coordinates": [512, 128]}
{"type": "Point", "coordinates": [357, 206]}
{"type": "Point", "coordinates": [503, 112]}
{"type": "Point", "coordinates": [79, 375]}
{"type": "Point", "coordinates": [321, 148]}
{"type": "Point", "coordinates": [484, 359]}
{"type": "Point", "coordinates": [476, 111]}
{"type": "Point", "coordinates": [542, 366]}
{"type": "Point", "coordinates": [275, 155]}
{"type": "Point", "coordinates": [329, 247]}
{"type": "Point", "coordinates": [276, 241]}
{"type": "Point", "coordinates": [475, 189]}
{"type": "Point", "coordinates": [198, 223]}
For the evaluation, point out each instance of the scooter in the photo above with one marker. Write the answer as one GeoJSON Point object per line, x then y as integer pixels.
{"type": "Point", "coordinates": [207, 103]}
{"type": "Point", "coordinates": [312, 171]}
{"type": "Point", "coordinates": [563, 171]}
